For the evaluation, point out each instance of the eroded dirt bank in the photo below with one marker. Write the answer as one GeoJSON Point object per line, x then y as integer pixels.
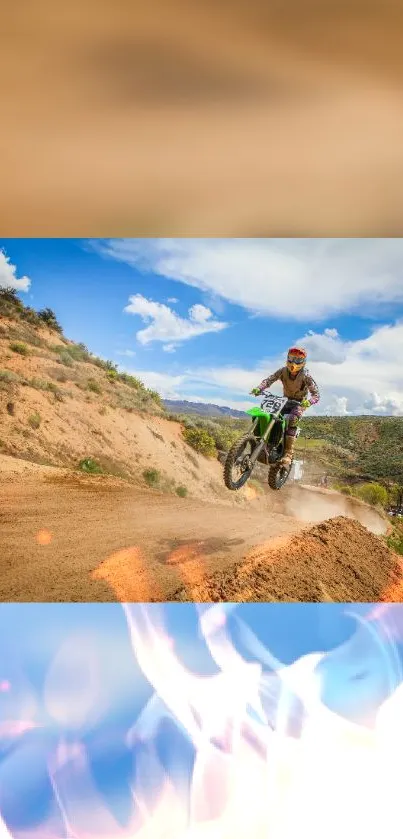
{"type": "Point", "coordinates": [338, 560]}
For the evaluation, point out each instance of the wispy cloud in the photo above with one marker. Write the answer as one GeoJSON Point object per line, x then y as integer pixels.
{"type": "Point", "coordinates": [8, 275]}
{"type": "Point", "coordinates": [166, 326]}
{"type": "Point", "coordinates": [298, 279]}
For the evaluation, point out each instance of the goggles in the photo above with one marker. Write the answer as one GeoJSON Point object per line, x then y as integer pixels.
{"type": "Point", "coordinates": [298, 361]}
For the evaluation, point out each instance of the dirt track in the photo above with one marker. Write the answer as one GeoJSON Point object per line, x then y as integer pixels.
{"type": "Point", "coordinates": [87, 540]}
{"type": "Point", "coordinates": [67, 538]}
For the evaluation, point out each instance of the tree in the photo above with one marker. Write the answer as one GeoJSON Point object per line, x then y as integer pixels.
{"type": "Point", "coordinates": [9, 295]}
{"type": "Point", "coordinates": [396, 494]}
{"type": "Point", "coordinates": [49, 318]}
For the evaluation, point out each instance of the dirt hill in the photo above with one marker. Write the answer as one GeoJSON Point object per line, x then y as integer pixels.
{"type": "Point", "coordinates": [337, 560]}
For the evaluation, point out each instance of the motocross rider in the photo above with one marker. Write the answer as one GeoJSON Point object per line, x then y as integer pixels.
{"type": "Point", "coordinates": [297, 384]}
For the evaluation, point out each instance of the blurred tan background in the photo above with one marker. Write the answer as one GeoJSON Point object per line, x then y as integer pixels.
{"type": "Point", "coordinates": [217, 118]}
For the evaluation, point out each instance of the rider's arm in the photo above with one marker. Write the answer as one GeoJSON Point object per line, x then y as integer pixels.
{"type": "Point", "coordinates": [270, 380]}
{"type": "Point", "coordinates": [313, 390]}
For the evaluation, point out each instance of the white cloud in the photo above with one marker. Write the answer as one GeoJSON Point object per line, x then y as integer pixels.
{"type": "Point", "coordinates": [8, 275]}
{"type": "Point", "coordinates": [327, 346]}
{"type": "Point", "coordinates": [354, 377]}
{"type": "Point", "coordinates": [127, 353]}
{"type": "Point", "coordinates": [166, 326]}
{"type": "Point", "coordinates": [172, 300]}
{"type": "Point", "coordinates": [297, 279]}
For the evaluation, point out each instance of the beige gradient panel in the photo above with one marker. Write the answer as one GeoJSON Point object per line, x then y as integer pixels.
{"type": "Point", "coordinates": [166, 117]}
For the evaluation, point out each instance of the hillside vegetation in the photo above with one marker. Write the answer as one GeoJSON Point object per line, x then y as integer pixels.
{"type": "Point", "coordinates": [367, 447]}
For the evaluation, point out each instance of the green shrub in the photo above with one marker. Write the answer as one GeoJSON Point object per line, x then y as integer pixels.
{"type": "Point", "coordinates": [373, 493]}
{"type": "Point", "coordinates": [200, 440]}
{"type": "Point", "coordinates": [224, 438]}
{"type": "Point", "coordinates": [155, 397]}
{"type": "Point", "coordinates": [78, 352]}
{"type": "Point", "coordinates": [93, 386]}
{"type": "Point", "coordinates": [30, 316]}
{"type": "Point", "coordinates": [395, 542]}
{"type": "Point", "coordinates": [181, 491]}
{"type": "Point", "coordinates": [152, 477]}
{"type": "Point", "coordinates": [90, 466]}
{"type": "Point", "coordinates": [344, 488]}
{"type": "Point", "coordinates": [19, 347]}
{"type": "Point", "coordinates": [65, 358]}
{"type": "Point", "coordinates": [48, 317]}
{"type": "Point", "coordinates": [131, 381]}
{"type": "Point", "coordinates": [34, 420]}
{"type": "Point", "coordinates": [103, 365]}
{"type": "Point", "coordinates": [112, 376]}
{"type": "Point", "coordinates": [9, 295]}
{"type": "Point", "coordinates": [8, 376]}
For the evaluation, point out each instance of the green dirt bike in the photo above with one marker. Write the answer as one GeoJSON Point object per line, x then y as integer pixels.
{"type": "Point", "coordinates": [264, 442]}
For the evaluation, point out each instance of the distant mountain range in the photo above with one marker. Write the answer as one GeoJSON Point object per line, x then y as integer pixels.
{"type": "Point", "coordinates": [205, 409]}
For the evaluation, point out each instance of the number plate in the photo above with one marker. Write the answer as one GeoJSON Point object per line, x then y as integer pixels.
{"type": "Point", "coordinates": [272, 404]}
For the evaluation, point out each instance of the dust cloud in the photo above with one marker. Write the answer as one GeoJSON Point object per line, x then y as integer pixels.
{"type": "Point", "coordinates": [313, 505]}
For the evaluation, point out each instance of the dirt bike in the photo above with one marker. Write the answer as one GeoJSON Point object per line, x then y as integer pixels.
{"type": "Point", "coordinates": [264, 442]}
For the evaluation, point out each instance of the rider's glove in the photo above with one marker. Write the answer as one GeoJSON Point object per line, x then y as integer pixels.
{"type": "Point", "coordinates": [305, 404]}
{"type": "Point", "coordinates": [255, 391]}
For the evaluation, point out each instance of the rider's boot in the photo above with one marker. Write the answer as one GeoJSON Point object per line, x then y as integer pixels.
{"type": "Point", "coordinates": [286, 460]}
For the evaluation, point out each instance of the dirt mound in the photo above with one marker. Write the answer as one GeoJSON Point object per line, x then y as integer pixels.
{"type": "Point", "coordinates": [337, 560]}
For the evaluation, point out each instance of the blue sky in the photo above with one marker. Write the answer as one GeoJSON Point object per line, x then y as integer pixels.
{"type": "Point", "coordinates": [206, 319]}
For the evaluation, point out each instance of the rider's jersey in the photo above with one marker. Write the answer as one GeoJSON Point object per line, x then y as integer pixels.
{"type": "Point", "coordinates": [294, 388]}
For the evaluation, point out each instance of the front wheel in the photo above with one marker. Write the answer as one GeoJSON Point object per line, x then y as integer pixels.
{"type": "Point", "coordinates": [278, 475]}
{"type": "Point", "coordinates": [238, 469]}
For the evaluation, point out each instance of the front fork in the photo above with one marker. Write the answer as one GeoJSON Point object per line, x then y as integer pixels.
{"type": "Point", "coordinates": [259, 448]}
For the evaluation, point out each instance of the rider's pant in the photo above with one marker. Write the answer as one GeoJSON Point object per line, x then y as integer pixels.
{"type": "Point", "coordinates": [293, 420]}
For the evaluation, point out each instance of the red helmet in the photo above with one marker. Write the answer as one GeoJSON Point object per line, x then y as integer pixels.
{"type": "Point", "coordinates": [296, 360]}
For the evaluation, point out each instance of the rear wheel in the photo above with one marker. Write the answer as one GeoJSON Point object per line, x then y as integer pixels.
{"type": "Point", "coordinates": [237, 469]}
{"type": "Point", "coordinates": [278, 475]}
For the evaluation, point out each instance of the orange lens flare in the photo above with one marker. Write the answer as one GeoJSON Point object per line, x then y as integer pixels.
{"type": "Point", "coordinates": [126, 573]}
{"type": "Point", "coordinates": [44, 537]}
